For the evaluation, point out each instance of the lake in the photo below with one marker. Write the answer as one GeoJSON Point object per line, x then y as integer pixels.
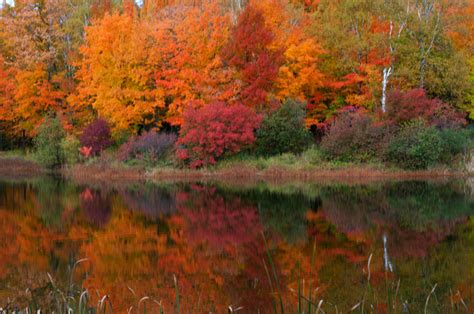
{"type": "Point", "coordinates": [217, 247]}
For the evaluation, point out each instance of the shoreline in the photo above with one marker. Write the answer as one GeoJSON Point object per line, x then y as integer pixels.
{"type": "Point", "coordinates": [11, 167]}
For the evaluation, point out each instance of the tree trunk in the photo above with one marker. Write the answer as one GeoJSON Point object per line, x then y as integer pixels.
{"type": "Point", "coordinates": [386, 75]}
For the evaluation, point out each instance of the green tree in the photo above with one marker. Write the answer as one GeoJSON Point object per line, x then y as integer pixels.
{"type": "Point", "coordinates": [48, 142]}
{"type": "Point", "coordinates": [416, 146]}
{"type": "Point", "coordinates": [70, 146]}
{"type": "Point", "coordinates": [284, 131]}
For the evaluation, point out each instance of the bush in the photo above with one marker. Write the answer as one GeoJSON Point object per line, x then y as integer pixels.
{"type": "Point", "coordinates": [313, 155]}
{"type": "Point", "coordinates": [454, 143]}
{"type": "Point", "coordinates": [415, 104]}
{"type": "Point", "coordinates": [215, 131]}
{"type": "Point", "coordinates": [48, 143]}
{"type": "Point", "coordinates": [354, 136]}
{"type": "Point", "coordinates": [416, 146]}
{"type": "Point", "coordinates": [150, 146]}
{"type": "Point", "coordinates": [70, 146]}
{"type": "Point", "coordinates": [96, 136]}
{"type": "Point", "coordinates": [284, 131]}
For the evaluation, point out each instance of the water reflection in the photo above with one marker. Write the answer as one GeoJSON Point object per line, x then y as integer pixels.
{"type": "Point", "coordinates": [149, 199]}
{"type": "Point", "coordinates": [96, 206]}
{"type": "Point", "coordinates": [211, 237]}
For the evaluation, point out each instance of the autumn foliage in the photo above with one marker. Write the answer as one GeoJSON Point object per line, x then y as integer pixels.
{"type": "Point", "coordinates": [415, 104]}
{"type": "Point", "coordinates": [96, 137]}
{"type": "Point", "coordinates": [142, 66]}
{"type": "Point", "coordinates": [115, 80]}
{"type": "Point", "coordinates": [248, 51]}
{"type": "Point", "coordinates": [215, 131]}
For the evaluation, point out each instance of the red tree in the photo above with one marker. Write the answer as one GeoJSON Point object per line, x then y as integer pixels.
{"type": "Point", "coordinates": [415, 104]}
{"type": "Point", "coordinates": [248, 51]}
{"type": "Point", "coordinates": [214, 131]}
{"type": "Point", "coordinates": [96, 136]}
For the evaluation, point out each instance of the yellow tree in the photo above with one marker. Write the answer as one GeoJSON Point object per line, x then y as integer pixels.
{"type": "Point", "coordinates": [35, 96]}
{"type": "Point", "coordinates": [115, 78]}
{"type": "Point", "coordinates": [299, 77]}
{"type": "Point", "coordinates": [37, 39]}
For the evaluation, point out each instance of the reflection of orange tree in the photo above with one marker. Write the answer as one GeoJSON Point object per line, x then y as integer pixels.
{"type": "Point", "coordinates": [127, 253]}
{"type": "Point", "coordinates": [213, 247]}
{"type": "Point", "coordinates": [344, 246]}
{"type": "Point", "coordinates": [339, 261]}
{"type": "Point", "coordinates": [123, 254]}
{"type": "Point", "coordinates": [24, 253]}
{"type": "Point", "coordinates": [27, 249]}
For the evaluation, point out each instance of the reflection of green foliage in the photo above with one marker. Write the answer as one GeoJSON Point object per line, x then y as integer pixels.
{"type": "Point", "coordinates": [420, 205]}
{"type": "Point", "coordinates": [149, 199]}
{"type": "Point", "coordinates": [339, 272]}
{"type": "Point", "coordinates": [416, 205]}
{"type": "Point", "coordinates": [354, 198]}
{"type": "Point", "coordinates": [54, 196]}
{"type": "Point", "coordinates": [418, 217]}
{"type": "Point", "coordinates": [284, 214]}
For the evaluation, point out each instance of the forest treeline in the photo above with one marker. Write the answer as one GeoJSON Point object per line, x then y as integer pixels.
{"type": "Point", "coordinates": [220, 70]}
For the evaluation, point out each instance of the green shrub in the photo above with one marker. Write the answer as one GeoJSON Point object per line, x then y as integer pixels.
{"type": "Point", "coordinates": [415, 146]}
{"type": "Point", "coordinates": [454, 142]}
{"type": "Point", "coordinates": [286, 159]}
{"type": "Point", "coordinates": [313, 155]}
{"type": "Point", "coordinates": [48, 143]}
{"type": "Point", "coordinates": [284, 131]}
{"type": "Point", "coordinates": [70, 146]}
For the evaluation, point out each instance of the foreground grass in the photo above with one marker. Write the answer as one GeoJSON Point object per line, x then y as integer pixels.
{"type": "Point", "coordinates": [372, 300]}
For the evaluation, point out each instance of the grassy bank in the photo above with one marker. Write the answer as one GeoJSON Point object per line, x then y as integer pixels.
{"type": "Point", "coordinates": [19, 164]}
{"type": "Point", "coordinates": [305, 167]}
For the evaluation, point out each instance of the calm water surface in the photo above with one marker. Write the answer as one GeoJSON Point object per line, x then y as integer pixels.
{"type": "Point", "coordinates": [211, 237]}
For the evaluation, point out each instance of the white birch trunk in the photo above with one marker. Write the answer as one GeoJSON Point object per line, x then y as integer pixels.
{"type": "Point", "coordinates": [386, 75]}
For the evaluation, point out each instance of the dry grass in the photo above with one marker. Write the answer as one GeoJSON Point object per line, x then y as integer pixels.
{"type": "Point", "coordinates": [102, 172]}
{"type": "Point", "coordinates": [16, 167]}
{"type": "Point", "coordinates": [283, 174]}
{"type": "Point", "coordinates": [274, 170]}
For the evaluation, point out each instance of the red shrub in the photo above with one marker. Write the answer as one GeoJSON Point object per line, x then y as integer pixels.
{"type": "Point", "coordinates": [354, 135]}
{"type": "Point", "coordinates": [96, 136]}
{"type": "Point", "coordinates": [214, 131]}
{"type": "Point", "coordinates": [415, 104]}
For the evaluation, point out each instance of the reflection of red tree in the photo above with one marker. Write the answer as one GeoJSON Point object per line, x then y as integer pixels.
{"type": "Point", "coordinates": [410, 243]}
{"type": "Point", "coordinates": [96, 206]}
{"type": "Point", "coordinates": [228, 230]}
{"type": "Point", "coordinates": [221, 223]}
